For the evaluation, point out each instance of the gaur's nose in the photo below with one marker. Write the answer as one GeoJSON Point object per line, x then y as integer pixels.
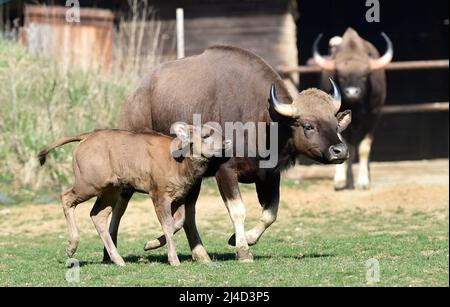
{"type": "Point", "coordinates": [352, 92]}
{"type": "Point", "coordinates": [338, 153]}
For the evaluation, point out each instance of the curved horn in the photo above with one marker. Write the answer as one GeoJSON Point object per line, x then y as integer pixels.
{"type": "Point", "coordinates": [281, 108]}
{"type": "Point", "coordinates": [386, 58]}
{"type": "Point", "coordinates": [336, 96]}
{"type": "Point", "coordinates": [324, 63]}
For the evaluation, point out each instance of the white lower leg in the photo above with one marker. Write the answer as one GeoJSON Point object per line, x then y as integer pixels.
{"type": "Point", "coordinates": [340, 176]}
{"type": "Point", "coordinates": [363, 173]}
{"type": "Point", "coordinates": [236, 210]}
{"type": "Point", "coordinates": [269, 215]}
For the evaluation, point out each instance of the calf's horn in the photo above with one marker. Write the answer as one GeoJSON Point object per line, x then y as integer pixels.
{"type": "Point", "coordinates": [336, 96]}
{"type": "Point", "coordinates": [386, 58]}
{"type": "Point", "coordinates": [281, 108]}
{"type": "Point", "coordinates": [324, 63]}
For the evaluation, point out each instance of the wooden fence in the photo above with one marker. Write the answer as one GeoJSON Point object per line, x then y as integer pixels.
{"type": "Point", "coordinates": [395, 66]}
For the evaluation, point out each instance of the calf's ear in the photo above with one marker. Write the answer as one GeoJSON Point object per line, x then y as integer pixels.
{"type": "Point", "coordinates": [344, 119]}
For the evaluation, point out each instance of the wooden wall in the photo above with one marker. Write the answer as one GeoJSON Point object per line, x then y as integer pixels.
{"type": "Point", "coordinates": [87, 44]}
{"type": "Point", "coordinates": [266, 27]}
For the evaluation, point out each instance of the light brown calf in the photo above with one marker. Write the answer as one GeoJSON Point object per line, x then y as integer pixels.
{"type": "Point", "coordinates": [109, 161]}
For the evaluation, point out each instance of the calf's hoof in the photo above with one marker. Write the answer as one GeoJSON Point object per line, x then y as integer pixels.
{"type": "Point", "coordinates": [244, 255]}
{"type": "Point", "coordinates": [152, 244]}
{"type": "Point", "coordinates": [119, 262]}
{"type": "Point", "coordinates": [71, 249]}
{"type": "Point", "coordinates": [174, 261]}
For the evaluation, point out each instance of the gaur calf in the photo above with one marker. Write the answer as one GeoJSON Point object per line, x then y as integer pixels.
{"type": "Point", "coordinates": [109, 161]}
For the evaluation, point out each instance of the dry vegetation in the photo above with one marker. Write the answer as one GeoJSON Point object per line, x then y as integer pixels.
{"type": "Point", "coordinates": [40, 102]}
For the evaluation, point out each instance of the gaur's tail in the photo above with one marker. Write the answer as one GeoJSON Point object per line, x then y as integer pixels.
{"type": "Point", "coordinates": [42, 156]}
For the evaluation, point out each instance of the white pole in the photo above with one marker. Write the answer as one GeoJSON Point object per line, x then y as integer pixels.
{"type": "Point", "coordinates": [180, 33]}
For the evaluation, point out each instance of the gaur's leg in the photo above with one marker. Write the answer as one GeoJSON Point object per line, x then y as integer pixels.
{"type": "Point", "coordinates": [231, 195]}
{"type": "Point", "coordinates": [118, 210]}
{"type": "Point", "coordinates": [364, 148]}
{"type": "Point", "coordinates": [99, 214]}
{"type": "Point", "coordinates": [70, 200]}
{"type": "Point", "coordinates": [190, 228]}
{"type": "Point", "coordinates": [269, 198]}
{"type": "Point", "coordinates": [343, 178]}
{"type": "Point", "coordinates": [179, 217]}
{"type": "Point", "coordinates": [164, 214]}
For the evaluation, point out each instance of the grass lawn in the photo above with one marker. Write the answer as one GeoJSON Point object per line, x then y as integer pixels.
{"type": "Point", "coordinates": [321, 238]}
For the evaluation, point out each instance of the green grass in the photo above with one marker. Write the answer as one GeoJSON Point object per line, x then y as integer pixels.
{"type": "Point", "coordinates": [326, 254]}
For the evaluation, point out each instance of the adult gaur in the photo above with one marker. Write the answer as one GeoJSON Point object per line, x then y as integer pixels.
{"type": "Point", "coordinates": [359, 70]}
{"type": "Point", "coordinates": [229, 84]}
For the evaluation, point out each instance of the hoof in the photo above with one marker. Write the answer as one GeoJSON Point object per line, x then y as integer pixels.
{"type": "Point", "coordinates": [363, 187]}
{"type": "Point", "coordinates": [244, 256]}
{"type": "Point", "coordinates": [343, 187]}
{"type": "Point", "coordinates": [153, 244]}
{"type": "Point", "coordinates": [71, 249]}
{"type": "Point", "coordinates": [174, 261]}
{"type": "Point", "coordinates": [200, 254]}
{"type": "Point", "coordinates": [119, 262]}
{"type": "Point", "coordinates": [201, 258]}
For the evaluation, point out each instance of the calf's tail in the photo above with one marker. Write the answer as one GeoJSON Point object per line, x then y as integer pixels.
{"type": "Point", "coordinates": [42, 156]}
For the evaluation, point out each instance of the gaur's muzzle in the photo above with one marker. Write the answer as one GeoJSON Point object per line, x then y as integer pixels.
{"type": "Point", "coordinates": [352, 93]}
{"type": "Point", "coordinates": [338, 153]}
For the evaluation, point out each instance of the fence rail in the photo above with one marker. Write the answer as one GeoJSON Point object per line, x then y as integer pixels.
{"type": "Point", "coordinates": [394, 66]}
{"type": "Point", "coordinates": [414, 108]}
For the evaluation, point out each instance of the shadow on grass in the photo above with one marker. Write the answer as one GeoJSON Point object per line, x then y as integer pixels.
{"type": "Point", "coordinates": [220, 257]}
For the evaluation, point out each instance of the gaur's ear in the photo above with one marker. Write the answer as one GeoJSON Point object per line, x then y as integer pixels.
{"type": "Point", "coordinates": [344, 119]}
{"type": "Point", "coordinates": [182, 131]}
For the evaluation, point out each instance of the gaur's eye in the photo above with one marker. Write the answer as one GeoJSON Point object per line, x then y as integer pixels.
{"type": "Point", "coordinates": [308, 127]}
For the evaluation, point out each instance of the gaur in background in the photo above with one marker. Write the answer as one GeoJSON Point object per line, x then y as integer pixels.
{"type": "Point", "coordinates": [358, 69]}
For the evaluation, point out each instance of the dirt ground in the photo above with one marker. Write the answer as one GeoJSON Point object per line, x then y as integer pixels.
{"type": "Point", "coordinates": [409, 186]}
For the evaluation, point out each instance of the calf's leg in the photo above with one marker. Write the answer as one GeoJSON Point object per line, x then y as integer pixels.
{"type": "Point", "coordinates": [179, 217]}
{"type": "Point", "coordinates": [190, 228]}
{"type": "Point", "coordinates": [70, 199]}
{"type": "Point", "coordinates": [164, 214]}
{"type": "Point", "coordinates": [99, 215]}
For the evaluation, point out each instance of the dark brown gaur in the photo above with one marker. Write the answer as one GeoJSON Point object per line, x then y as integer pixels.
{"type": "Point", "coordinates": [109, 161]}
{"type": "Point", "coordinates": [230, 84]}
{"type": "Point", "coordinates": [358, 68]}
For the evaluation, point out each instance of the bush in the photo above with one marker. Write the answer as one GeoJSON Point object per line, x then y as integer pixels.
{"type": "Point", "coordinates": [40, 103]}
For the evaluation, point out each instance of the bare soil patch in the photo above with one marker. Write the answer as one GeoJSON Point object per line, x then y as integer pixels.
{"type": "Point", "coordinates": [412, 187]}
